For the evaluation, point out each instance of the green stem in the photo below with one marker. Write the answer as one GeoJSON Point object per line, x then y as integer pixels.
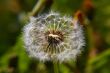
{"type": "Point", "coordinates": [90, 46]}
{"type": "Point", "coordinates": [56, 70]}
{"type": "Point", "coordinates": [38, 7]}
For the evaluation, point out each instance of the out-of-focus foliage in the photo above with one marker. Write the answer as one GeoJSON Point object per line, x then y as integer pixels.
{"type": "Point", "coordinates": [101, 63]}
{"type": "Point", "coordinates": [13, 57]}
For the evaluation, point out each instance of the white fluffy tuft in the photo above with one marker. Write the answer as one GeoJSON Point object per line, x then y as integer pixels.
{"type": "Point", "coordinates": [35, 41]}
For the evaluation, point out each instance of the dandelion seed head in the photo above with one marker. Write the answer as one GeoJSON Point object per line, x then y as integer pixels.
{"type": "Point", "coordinates": [53, 37]}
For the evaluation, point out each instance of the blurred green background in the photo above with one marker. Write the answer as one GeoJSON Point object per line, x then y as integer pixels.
{"type": "Point", "coordinates": [96, 55]}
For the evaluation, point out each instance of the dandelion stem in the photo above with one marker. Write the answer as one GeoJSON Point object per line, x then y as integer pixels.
{"type": "Point", "coordinates": [39, 5]}
{"type": "Point", "coordinates": [56, 70]}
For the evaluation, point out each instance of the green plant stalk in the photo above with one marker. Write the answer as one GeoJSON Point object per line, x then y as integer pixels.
{"type": "Point", "coordinates": [91, 46]}
{"type": "Point", "coordinates": [38, 7]}
{"type": "Point", "coordinates": [56, 67]}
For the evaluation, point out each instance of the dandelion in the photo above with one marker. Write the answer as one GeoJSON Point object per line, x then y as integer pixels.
{"type": "Point", "coordinates": [52, 37]}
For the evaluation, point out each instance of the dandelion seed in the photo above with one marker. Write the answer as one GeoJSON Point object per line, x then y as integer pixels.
{"type": "Point", "coordinates": [53, 37]}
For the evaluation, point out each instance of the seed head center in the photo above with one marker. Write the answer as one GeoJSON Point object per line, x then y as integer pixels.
{"type": "Point", "coordinates": [54, 37]}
